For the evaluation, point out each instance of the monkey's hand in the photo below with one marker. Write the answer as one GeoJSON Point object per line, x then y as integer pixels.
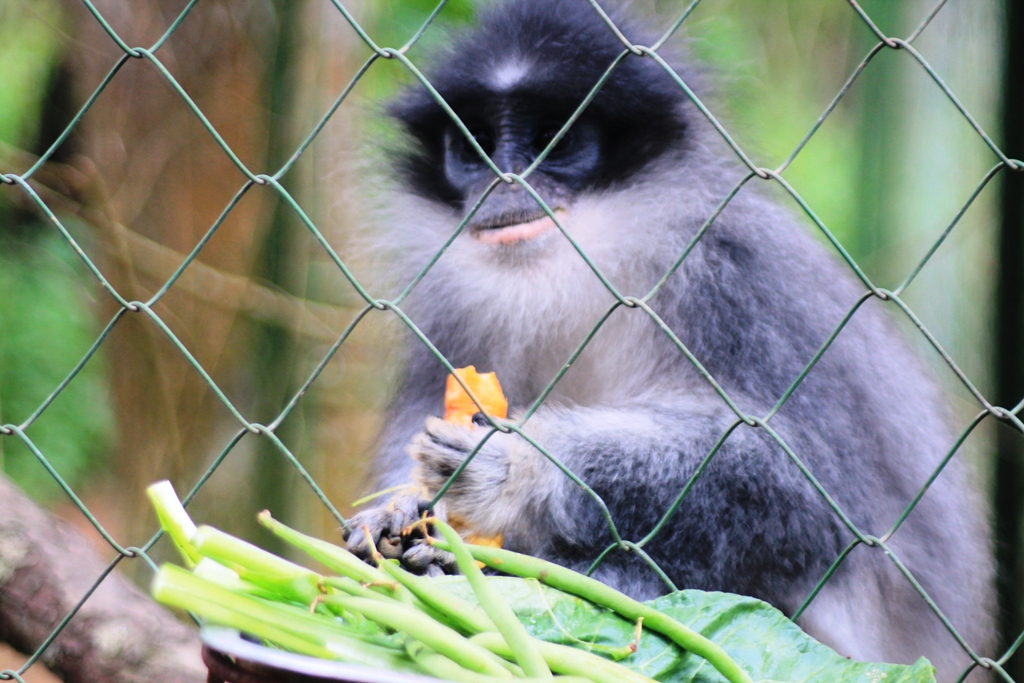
{"type": "Point", "coordinates": [491, 495]}
{"type": "Point", "coordinates": [395, 534]}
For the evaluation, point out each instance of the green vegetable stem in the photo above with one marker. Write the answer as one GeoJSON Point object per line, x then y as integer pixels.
{"type": "Point", "coordinates": [598, 593]}
{"type": "Point", "coordinates": [445, 669]}
{"type": "Point", "coordinates": [437, 636]}
{"type": "Point", "coordinates": [293, 628]}
{"type": "Point", "coordinates": [519, 641]}
{"type": "Point", "coordinates": [257, 566]}
{"type": "Point", "coordinates": [174, 520]}
{"type": "Point", "coordinates": [466, 615]}
{"type": "Point", "coordinates": [568, 660]}
{"type": "Point", "coordinates": [335, 558]}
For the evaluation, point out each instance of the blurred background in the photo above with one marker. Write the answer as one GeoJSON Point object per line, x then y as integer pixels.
{"type": "Point", "coordinates": [139, 182]}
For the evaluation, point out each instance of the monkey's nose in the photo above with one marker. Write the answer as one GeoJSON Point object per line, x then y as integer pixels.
{"type": "Point", "coordinates": [516, 168]}
{"type": "Point", "coordinates": [509, 161]}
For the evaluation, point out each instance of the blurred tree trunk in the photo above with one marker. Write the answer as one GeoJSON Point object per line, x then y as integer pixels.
{"type": "Point", "coordinates": [263, 73]}
{"type": "Point", "coordinates": [316, 56]}
{"type": "Point", "coordinates": [166, 179]}
{"type": "Point", "coordinates": [280, 263]}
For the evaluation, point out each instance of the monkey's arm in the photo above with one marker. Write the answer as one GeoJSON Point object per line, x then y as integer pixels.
{"type": "Point", "coordinates": [750, 522]}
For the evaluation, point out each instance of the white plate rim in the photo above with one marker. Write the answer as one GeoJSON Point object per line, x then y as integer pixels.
{"type": "Point", "coordinates": [229, 641]}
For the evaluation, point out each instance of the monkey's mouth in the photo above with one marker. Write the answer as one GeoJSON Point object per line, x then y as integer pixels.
{"type": "Point", "coordinates": [511, 229]}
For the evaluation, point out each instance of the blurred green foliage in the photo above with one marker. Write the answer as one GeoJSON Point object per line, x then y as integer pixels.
{"type": "Point", "coordinates": [46, 327]}
{"type": "Point", "coordinates": [397, 22]}
{"type": "Point", "coordinates": [46, 322]}
{"type": "Point", "coordinates": [763, 57]}
{"type": "Point", "coordinates": [393, 24]}
{"type": "Point", "coordinates": [29, 52]}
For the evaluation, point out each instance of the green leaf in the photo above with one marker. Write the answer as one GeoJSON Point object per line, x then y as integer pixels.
{"type": "Point", "coordinates": [756, 635]}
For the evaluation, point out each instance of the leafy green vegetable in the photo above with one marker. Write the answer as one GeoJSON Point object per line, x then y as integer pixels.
{"type": "Point", "coordinates": [757, 636]}
{"type": "Point", "coordinates": [293, 607]}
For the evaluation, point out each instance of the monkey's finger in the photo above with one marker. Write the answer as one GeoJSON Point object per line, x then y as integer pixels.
{"type": "Point", "coordinates": [357, 544]}
{"type": "Point", "coordinates": [406, 510]}
{"type": "Point", "coordinates": [436, 455]}
{"type": "Point", "coordinates": [446, 561]}
{"type": "Point", "coordinates": [417, 558]}
{"type": "Point", "coordinates": [390, 547]}
{"type": "Point", "coordinates": [437, 465]}
{"type": "Point", "coordinates": [399, 520]}
{"type": "Point", "coordinates": [377, 521]}
{"type": "Point", "coordinates": [452, 435]}
{"type": "Point", "coordinates": [421, 556]}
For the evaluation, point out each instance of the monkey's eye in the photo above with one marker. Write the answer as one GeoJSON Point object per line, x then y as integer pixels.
{"type": "Point", "coordinates": [466, 152]}
{"type": "Point", "coordinates": [546, 135]}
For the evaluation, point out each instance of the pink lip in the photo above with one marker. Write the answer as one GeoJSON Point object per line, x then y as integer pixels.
{"type": "Point", "coordinates": [519, 232]}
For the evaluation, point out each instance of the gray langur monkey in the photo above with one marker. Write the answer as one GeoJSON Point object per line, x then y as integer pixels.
{"type": "Point", "coordinates": [634, 179]}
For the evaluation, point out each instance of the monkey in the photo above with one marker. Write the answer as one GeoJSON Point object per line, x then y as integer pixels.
{"type": "Point", "coordinates": [705, 376]}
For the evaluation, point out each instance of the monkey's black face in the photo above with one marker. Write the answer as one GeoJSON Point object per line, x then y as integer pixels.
{"type": "Point", "coordinates": [513, 140]}
{"type": "Point", "coordinates": [514, 136]}
{"type": "Point", "coordinates": [514, 83]}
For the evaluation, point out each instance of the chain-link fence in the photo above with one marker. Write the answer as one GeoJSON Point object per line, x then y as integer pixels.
{"type": "Point", "coordinates": [21, 181]}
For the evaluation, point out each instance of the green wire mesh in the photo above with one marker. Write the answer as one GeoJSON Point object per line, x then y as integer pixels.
{"type": "Point", "coordinates": [987, 410]}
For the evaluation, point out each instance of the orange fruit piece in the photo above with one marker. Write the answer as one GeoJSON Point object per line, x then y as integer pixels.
{"type": "Point", "coordinates": [459, 407]}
